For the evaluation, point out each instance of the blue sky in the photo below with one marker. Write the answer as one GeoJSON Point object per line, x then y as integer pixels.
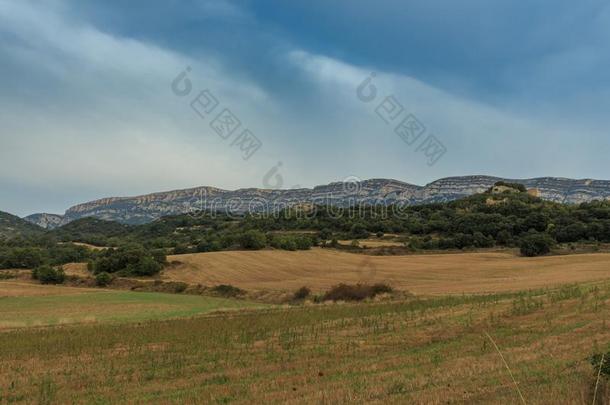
{"type": "Point", "coordinates": [513, 89]}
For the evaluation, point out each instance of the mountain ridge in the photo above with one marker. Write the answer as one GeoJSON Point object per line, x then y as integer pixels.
{"type": "Point", "coordinates": [149, 207]}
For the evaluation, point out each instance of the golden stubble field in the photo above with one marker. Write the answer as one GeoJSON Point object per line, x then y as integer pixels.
{"type": "Point", "coordinates": [433, 350]}
{"type": "Point", "coordinates": [435, 274]}
{"type": "Point", "coordinates": [76, 345]}
{"type": "Point", "coordinates": [28, 288]}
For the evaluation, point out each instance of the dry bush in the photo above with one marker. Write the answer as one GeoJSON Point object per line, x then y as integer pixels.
{"type": "Point", "coordinates": [227, 290]}
{"type": "Point", "coordinates": [301, 294]}
{"type": "Point", "coordinates": [357, 292]}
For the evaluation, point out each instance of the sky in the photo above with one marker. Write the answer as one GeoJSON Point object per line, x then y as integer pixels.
{"type": "Point", "coordinates": [114, 98]}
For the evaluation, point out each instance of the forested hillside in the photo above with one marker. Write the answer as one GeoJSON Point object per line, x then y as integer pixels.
{"type": "Point", "coordinates": [504, 216]}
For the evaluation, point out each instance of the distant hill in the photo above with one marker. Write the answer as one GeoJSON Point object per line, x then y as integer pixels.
{"type": "Point", "coordinates": [506, 215]}
{"type": "Point", "coordinates": [147, 208]}
{"type": "Point", "coordinates": [11, 226]}
{"type": "Point", "coordinates": [46, 221]}
{"type": "Point", "coordinates": [90, 230]}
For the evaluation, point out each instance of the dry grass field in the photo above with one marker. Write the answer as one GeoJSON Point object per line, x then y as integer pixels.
{"type": "Point", "coordinates": [76, 345]}
{"type": "Point", "coordinates": [320, 269]}
{"type": "Point", "coordinates": [420, 351]}
{"type": "Point", "coordinates": [31, 289]}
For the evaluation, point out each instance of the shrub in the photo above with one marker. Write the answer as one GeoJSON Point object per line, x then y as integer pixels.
{"type": "Point", "coordinates": [252, 240]}
{"type": "Point", "coordinates": [446, 243]}
{"type": "Point", "coordinates": [227, 290]}
{"type": "Point", "coordinates": [207, 246]}
{"type": "Point", "coordinates": [227, 241]}
{"type": "Point", "coordinates": [358, 292]}
{"type": "Point", "coordinates": [128, 261]}
{"type": "Point", "coordinates": [103, 279]}
{"type": "Point", "coordinates": [180, 287]}
{"type": "Point", "coordinates": [325, 234]}
{"type": "Point", "coordinates": [49, 275]}
{"type": "Point", "coordinates": [286, 243]}
{"type": "Point", "coordinates": [536, 244]}
{"type": "Point", "coordinates": [159, 256]}
{"type": "Point", "coordinates": [482, 241]}
{"type": "Point", "coordinates": [180, 249]}
{"type": "Point", "coordinates": [536, 221]}
{"type": "Point", "coordinates": [301, 293]}
{"type": "Point", "coordinates": [289, 244]}
{"type": "Point", "coordinates": [504, 237]}
{"type": "Point", "coordinates": [359, 231]}
{"type": "Point", "coordinates": [303, 242]}
{"type": "Point", "coordinates": [146, 266]}
{"type": "Point", "coordinates": [380, 288]}
{"type": "Point", "coordinates": [416, 243]}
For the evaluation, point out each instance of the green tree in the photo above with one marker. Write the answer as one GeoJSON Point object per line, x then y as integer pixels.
{"type": "Point", "coordinates": [103, 279]}
{"type": "Point", "coordinates": [252, 240]}
{"type": "Point", "coordinates": [325, 234]}
{"type": "Point", "coordinates": [504, 238]}
{"type": "Point", "coordinates": [49, 275]}
{"type": "Point", "coordinates": [359, 231]}
{"type": "Point", "coordinates": [146, 266]}
{"type": "Point", "coordinates": [181, 249]}
{"type": "Point", "coordinates": [536, 244]}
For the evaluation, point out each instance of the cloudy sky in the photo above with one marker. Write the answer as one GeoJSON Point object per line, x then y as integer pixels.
{"type": "Point", "coordinates": [87, 107]}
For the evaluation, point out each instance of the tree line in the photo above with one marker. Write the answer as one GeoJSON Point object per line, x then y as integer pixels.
{"type": "Point", "coordinates": [509, 219]}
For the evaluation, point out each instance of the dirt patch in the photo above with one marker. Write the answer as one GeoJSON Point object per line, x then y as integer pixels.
{"type": "Point", "coordinates": [89, 246]}
{"type": "Point", "coordinates": [76, 269]}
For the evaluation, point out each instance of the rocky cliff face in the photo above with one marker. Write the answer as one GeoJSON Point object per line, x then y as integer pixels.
{"type": "Point", "coordinates": [555, 189]}
{"type": "Point", "coordinates": [46, 221]}
{"type": "Point", "coordinates": [142, 209]}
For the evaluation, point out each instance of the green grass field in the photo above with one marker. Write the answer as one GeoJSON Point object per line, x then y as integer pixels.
{"type": "Point", "coordinates": [427, 351]}
{"type": "Point", "coordinates": [106, 306]}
